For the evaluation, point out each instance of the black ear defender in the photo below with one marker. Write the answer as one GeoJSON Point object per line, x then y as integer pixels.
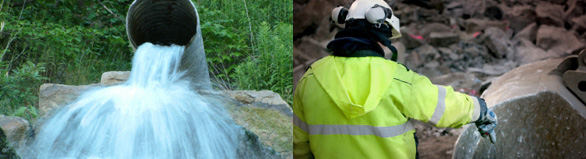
{"type": "Point", "coordinates": [378, 14]}
{"type": "Point", "coordinates": [339, 15]}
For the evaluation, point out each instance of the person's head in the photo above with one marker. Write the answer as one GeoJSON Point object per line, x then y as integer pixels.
{"type": "Point", "coordinates": [369, 14]}
{"type": "Point", "coordinates": [370, 19]}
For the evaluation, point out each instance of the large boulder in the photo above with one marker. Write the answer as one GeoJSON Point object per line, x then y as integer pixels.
{"type": "Point", "coordinates": [16, 129]}
{"type": "Point", "coordinates": [538, 117]}
{"type": "Point", "coordinates": [6, 151]}
{"type": "Point", "coordinates": [53, 96]}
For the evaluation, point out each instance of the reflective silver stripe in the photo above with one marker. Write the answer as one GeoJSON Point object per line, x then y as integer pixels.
{"type": "Point", "coordinates": [297, 122]}
{"type": "Point", "coordinates": [440, 106]}
{"type": "Point", "coordinates": [476, 113]}
{"type": "Point", "coordinates": [384, 132]}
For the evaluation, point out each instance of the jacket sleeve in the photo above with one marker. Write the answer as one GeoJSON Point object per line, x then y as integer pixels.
{"type": "Point", "coordinates": [301, 148]}
{"type": "Point", "coordinates": [436, 104]}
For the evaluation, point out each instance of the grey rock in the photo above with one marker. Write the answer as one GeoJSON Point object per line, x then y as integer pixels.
{"type": "Point", "coordinates": [114, 77]}
{"type": "Point", "coordinates": [263, 99]}
{"type": "Point", "coordinates": [6, 151]}
{"type": "Point", "coordinates": [476, 25]}
{"type": "Point", "coordinates": [434, 27]}
{"type": "Point", "coordinates": [263, 114]}
{"type": "Point", "coordinates": [532, 105]}
{"type": "Point", "coordinates": [410, 38]}
{"type": "Point", "coordinates": [497, 42]}
{"type": "Point", "coordinates": [528, 33]}
{"type": "Point", "coordinates": [557, 40]}
{"type": "Point", "coordinates": [52, 96]}
{"type": "Point", "coordinates": [527, 52]}
{"type": "Point", "coordinates": [443, 39]}
{"type": "Point", "coordinates": [17, 130]}
{"type": "Point", "coordinates": [550, 14]}
{"type": "Point", "coordinates": [474, 8]}
{"type": "Point", "coordinates": [458, 80]}
{"type": "Point", "coordinates": [578, 24]}
{"type": "Point", "coordinates": [521, 16]}
{"type": "Point", "coordinates": [427, 53]}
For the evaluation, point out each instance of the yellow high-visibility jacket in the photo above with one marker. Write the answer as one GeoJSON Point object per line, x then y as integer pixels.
{"type": "Point", "coordinates": [362, 107]}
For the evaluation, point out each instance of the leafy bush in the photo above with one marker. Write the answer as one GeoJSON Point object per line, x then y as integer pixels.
{"type": "Point", "coordinates": [270, 66]}
{"type": "Point", "coordinates": [18, 97]}
{"type": "Point", "coordinates": [249, 44]}
{"type": "Point", "coordinates": [68, 42]}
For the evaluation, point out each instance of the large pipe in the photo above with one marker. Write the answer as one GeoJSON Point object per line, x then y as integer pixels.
{"type": "Point", "coordinates": [166, 22]}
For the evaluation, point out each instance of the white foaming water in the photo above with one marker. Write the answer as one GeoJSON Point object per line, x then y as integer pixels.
{"type": "Point", "coordinates": [153, 115]}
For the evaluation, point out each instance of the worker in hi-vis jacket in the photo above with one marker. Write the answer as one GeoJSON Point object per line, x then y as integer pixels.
{"type": "Point", "coordinates": [357, 104]}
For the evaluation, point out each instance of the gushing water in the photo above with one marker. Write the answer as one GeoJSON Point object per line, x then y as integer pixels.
{"type": "Point", "coordinates": [153, 115]}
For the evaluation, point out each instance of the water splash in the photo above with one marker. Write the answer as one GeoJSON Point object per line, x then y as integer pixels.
{"type": "Point", "coordinates": [153, 115]}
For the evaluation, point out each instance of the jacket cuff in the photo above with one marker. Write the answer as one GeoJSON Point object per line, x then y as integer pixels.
{"type": "Point", "coordinates": [479, 108]}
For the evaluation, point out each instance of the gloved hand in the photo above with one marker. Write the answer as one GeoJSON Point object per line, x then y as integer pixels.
{"type": "Point", "coordinates": [486, 123]}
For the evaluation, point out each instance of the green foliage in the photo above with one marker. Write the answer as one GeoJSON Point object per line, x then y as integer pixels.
{"type": "Point", "coordinates": [269, 67]}
{"type": "Point", "coordinates": [18, 97]}
{"type": "Point", "coordinates": [249, 43]}
{"type": "Point", "coordinates": [68, 42]}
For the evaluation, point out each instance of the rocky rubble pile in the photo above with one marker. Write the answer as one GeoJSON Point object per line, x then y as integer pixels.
{"type": "Point", "coordinates": [462, 43]}
{"type": "Point", "coordinates": [485, 38]}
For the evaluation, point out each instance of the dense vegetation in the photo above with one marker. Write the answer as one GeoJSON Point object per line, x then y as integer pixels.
{"type": "Point", "coordinates": [248, 45]}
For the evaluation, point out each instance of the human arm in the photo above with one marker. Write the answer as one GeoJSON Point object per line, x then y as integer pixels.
{"type": "Point", "coordinates": [301, 148]}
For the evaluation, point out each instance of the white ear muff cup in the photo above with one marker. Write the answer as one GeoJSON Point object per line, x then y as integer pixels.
{"type": "Point", "coordinates": [339, 15]}
{"type": "Point", "coordinates": [376, 15]}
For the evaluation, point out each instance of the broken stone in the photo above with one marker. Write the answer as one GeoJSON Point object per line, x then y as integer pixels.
{"type": "Point", "coordinates": [527, 52]}
{"type": "Point", "coordinates": [557, 40]}
{"type": "Point", "coordinates": [428, 53]}
{"type": "Point", "coordinates": [454, 9]}
{"type": "Point", "coordinates": [578, 24]}
{"type": "Point", "coordinates": [497, 42]}
{"type": "Point", "coordinates": [410, 38]}
{"type": "Point", "coordinates": [474, 8]}
{"type": "Point", "coordinates": [476, 25]}
{"type": "Point", "coordinates": [550, 14]}
{"type": "Point", "coordinates": [521, 16]}
{"type": "Point", "coordinates": [443, 38]}
{"type": "Point", "coordinates": [532, 105]}
{"type": "Point", "coordinates": [528, 33]}
{"type": "Point", "coordinates": [458, 80]}
{"type": "Point", "coordinates": [413, 60]}
{"type": "Point", "coordinates": [434, 27]}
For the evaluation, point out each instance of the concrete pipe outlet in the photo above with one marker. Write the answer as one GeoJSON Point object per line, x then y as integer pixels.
{"type": "Point", "coordinates": [171, 22]}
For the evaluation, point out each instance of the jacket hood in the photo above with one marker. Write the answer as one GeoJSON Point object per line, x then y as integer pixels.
{"type": "Point", "coordinates": [355, 84]}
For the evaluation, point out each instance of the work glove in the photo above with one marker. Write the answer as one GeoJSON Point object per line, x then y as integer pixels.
{"type": "Point", "coordinates": [486, 122]}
